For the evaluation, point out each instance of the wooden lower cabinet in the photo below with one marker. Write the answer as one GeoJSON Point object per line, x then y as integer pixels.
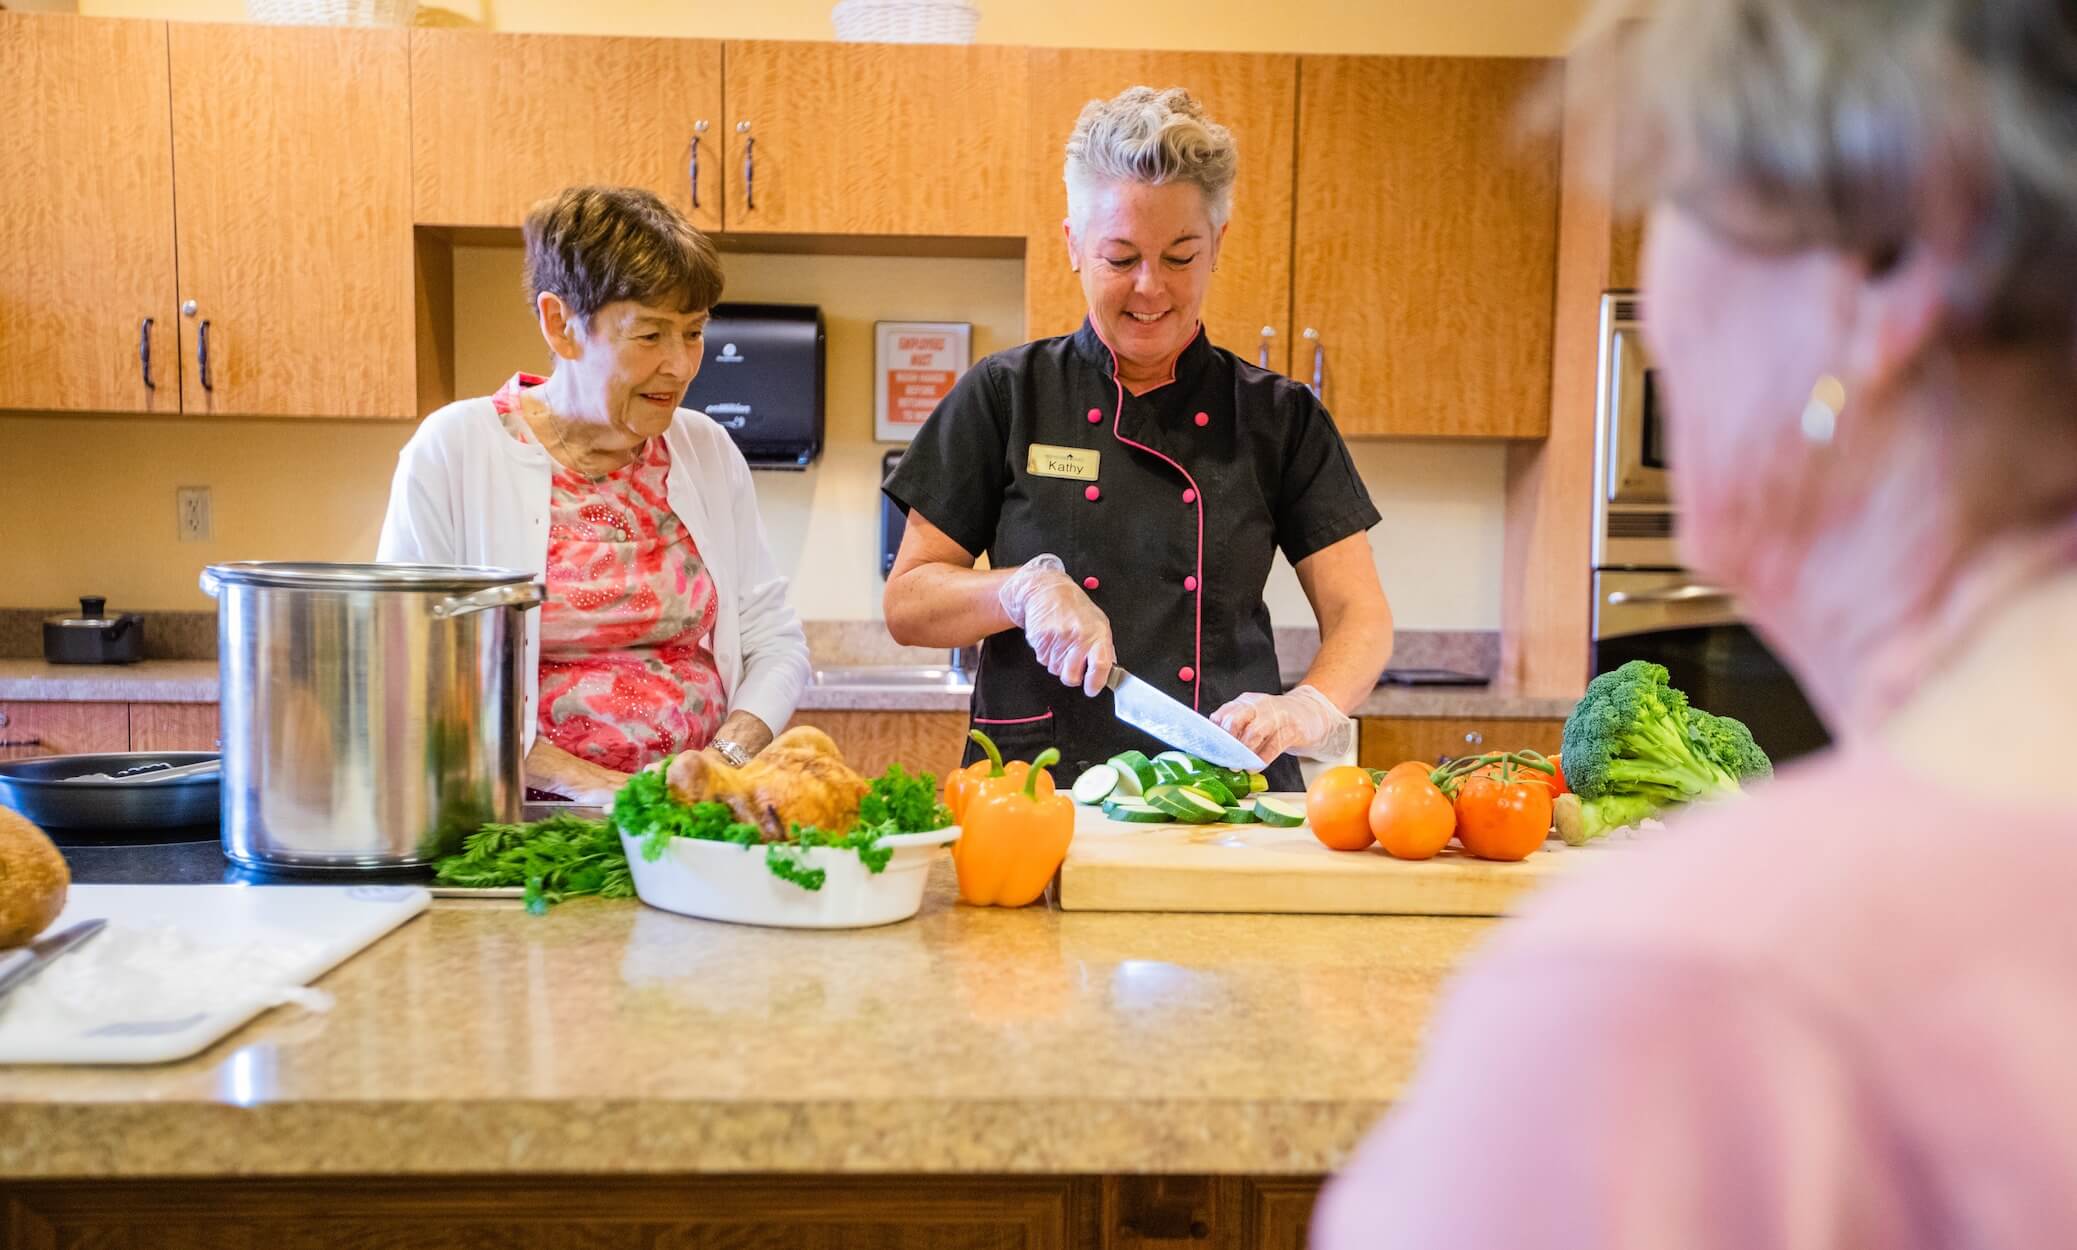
{"type": "Point", "coordinates": [1385, 741]}
{"type": "Point", "coordinates": [173, 727]}
{"type": "Point", "coordinates": [662, 1213]}
{"type": "Point", "coordinates": [930, 742]}
{"type": "Point", "coordinates": [30, 728]}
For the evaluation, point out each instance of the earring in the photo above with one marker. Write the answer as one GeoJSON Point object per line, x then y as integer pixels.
{"type": "Point", "coordinates": [1821, 412]}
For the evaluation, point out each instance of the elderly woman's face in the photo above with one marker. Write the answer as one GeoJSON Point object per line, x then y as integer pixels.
{"type": "Point", "coordinates": [635, 361]}
{"type": "Point", "coordinates": [1740, 333]}
{"type": "Point", "coordinates": [1145, 255]}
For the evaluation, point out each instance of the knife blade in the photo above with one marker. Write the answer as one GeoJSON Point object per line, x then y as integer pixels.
{"type": "Point", "coordinates": [1145, 708]}
{"type": "Point", "coordinates": [25, 963]}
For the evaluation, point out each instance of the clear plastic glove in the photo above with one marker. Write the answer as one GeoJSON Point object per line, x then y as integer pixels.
{"type": "Point", "coordinates": [1303, 722]}
{"type": "Point", "coordinates": [1067, 631]}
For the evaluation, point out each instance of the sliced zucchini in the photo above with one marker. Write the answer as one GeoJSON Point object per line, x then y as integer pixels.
{"type": "Point", "coordinates": [1169, 773]}
{"type": "Point", "coordinates": [1283, 813]}
{"type": "Point", "coordinates": [1241, 814]}
{"type": "Point", "coordinates": [1258, 784]}
{"type": "Point", "coordinates": [1136, 812]}
{"type": "Point", "coordinates": [1135, 773]}
{"type": "Point", "coordinates": [1187, 804]}
{"type": "Point", "coordinates": [1211, 784]}
{"type": "Point", "coordinates": [1188, 763]}
{"type": "Point", "coordinates": [1095, 785]}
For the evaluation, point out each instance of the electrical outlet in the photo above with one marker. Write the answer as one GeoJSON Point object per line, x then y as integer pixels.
{"type": "Point", "coordinates": [191, 513]}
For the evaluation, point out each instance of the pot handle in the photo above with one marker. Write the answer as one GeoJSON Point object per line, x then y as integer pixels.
{"type": "Point", "coordinates": [210, 586]}
{"type": "Point", "coordinates": [516, 595]}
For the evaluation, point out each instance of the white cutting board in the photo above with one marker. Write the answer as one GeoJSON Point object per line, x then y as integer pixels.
{"type": "Point", "coordinates": [1118, 866]}
{"type": "Point", "coordinates": [284, 935]}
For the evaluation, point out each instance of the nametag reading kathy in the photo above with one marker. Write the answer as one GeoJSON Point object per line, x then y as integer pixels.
{"type": "Point", "coordinates": [1069, 462]}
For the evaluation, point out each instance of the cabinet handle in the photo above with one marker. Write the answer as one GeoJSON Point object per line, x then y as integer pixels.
{"type": "Point", "coordinates": [144, 352]}
{"type": "Point", "coordinates": [692, 169]}
{"type": "Point", "coordinates": [1474, 739]}
{"type": "Point", "coordinates": [6, 743]}
{"type": "Point", "coordinates": [1319, 360]}
{"type": "Point", "coordinates": [749, 168]}
{"type": "Point", "coordinates": [1262, 353]}
{"type": "Point", "coordinates": [202, 353]}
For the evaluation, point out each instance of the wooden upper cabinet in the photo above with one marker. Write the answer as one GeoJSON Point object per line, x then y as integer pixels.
{"type": "Point", "coordinates": [1426, 245]}
{"type": "Point", "coordinates": [86, 216]}
{"type": "Point", "coordinates": [876, 139]}
{"type": "Point", "coordinates": [494, 127]}
{"type": "Point", "coordinates": [1256, 97]}
{"type": "Point", "coordinates": [292, 152]}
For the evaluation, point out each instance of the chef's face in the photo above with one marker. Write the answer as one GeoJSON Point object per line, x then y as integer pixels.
{"type": "Point", "coordinates": [1145, 254]}
{"type": "Point", "coordinates": [631, 361]}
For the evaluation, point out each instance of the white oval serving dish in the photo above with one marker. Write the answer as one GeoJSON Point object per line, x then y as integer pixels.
{"type": "Point", "coordinates": [725, 881]}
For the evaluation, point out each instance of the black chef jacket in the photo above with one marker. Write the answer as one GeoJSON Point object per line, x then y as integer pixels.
{"type": "Point", "coordinates": [1166, 507]}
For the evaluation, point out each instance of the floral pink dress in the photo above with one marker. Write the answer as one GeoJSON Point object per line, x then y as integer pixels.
{"type": "Point", "coordinates": [627, 661]}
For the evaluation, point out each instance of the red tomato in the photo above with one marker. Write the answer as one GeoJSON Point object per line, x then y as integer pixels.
{"type": "Point", "coordinates": [1337, 808]}
{"type": "Point", "coordinates": [1410, 818]}
{"type": "Point", "coordinates": [1503, 821]}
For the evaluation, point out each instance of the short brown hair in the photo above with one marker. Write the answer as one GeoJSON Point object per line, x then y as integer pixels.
{"type": "Point", "coordinates": [595, 245]}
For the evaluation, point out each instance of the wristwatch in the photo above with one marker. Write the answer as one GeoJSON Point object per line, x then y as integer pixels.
{"type": "Point", "coordinates": [733, 752]}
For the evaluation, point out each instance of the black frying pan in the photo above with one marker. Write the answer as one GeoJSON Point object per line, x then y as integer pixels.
{"type": "Point", "coordinates": [38, 790]}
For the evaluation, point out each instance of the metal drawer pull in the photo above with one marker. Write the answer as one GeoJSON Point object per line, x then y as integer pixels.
{"type": "Point", "coordinates": [749, 168]}
{"type": "Point", "coordinates": [202, 353]}
{"type": "Point", "coordinates": [692, 170]}
{"type": "Point", "coordinates": [1319, 360]}
{"type": "Point", "coordinates": [144, 352]}
{"type": "Point", "coordinates": [1694, 592]}
{"type": "Point", "coordinates": [1262, 353]}
{"type": "Point", "coordinates": [6, 743]}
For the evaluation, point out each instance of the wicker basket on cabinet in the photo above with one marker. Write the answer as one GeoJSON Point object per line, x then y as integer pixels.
{"type": "Point", "coordinates": [905, 21]}
{"type": "Point", "coordinates": [332, 12]}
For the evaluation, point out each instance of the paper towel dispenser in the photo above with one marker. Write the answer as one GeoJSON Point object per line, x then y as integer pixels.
{"type": "Point", "coordinates": [761, 377]}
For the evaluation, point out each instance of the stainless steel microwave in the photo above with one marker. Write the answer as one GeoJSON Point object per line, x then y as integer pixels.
{"type": "Point", "coordinates": [1633, 512]}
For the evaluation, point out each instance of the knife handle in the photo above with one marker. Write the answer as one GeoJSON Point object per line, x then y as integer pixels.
{"type": "Point", "coordinates": [1117, 675]}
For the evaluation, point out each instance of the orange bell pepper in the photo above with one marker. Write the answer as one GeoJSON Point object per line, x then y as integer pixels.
{"type": "Point", "coordinates": [990, 773]}
{"type": "Point", "coordinates": [1012, 840]}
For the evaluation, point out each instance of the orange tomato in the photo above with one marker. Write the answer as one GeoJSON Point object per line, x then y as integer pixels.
{"type": "Point", "coordinates": [1554, 780]}
{"type": "Point", "coordinates": [1337, 808]}
{"type": "Point", "coordinates": [1412, 768]}
{"type": "Point", "coordinates": [1410, 818]}
{"type": "Point", "coordinates": [1503, 821]}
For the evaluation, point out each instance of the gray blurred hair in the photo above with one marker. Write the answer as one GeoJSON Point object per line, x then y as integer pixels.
{"type": "Point", "coordinates": [1148, 136]}
{"type": "Point", "coordinates": [1866, 126]}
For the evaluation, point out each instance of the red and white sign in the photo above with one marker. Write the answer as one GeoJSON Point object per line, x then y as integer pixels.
{"type": "Point", "coordinates": [915, 364]}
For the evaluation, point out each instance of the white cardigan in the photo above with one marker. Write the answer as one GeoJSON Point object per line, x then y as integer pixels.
{"type": "Point", "coordinates": [467, 492]}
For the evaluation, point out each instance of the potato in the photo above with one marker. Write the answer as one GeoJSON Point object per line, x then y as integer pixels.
{"type": "Point", "coordinates": [33, 880]}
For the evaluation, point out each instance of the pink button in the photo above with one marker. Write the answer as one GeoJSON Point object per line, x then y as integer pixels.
{"type": "Point", "coordinates": [1186, 673]}
{"type": "Point", "coordinates": [1092, 494]}
{"type": "Point", "coordinates": [1203, 419]}
{"type": "Point", "coordinates": [1189, 583]}
{"type": "Point", "coordinates": [1190, 496]}
{"type": "Point", "coordinates": [1095, 415]}
{"type": "Point", "coordinates": [1089, 583]}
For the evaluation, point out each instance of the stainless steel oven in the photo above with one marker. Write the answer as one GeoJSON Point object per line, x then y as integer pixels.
{"type": "Point", "coordinates": [1646, 606]}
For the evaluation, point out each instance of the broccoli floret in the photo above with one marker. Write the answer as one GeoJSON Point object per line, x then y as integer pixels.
{"type": "Point", "coordinates": [1727, 741]}
{"type": "Point", "coordinates": [1630, 736]}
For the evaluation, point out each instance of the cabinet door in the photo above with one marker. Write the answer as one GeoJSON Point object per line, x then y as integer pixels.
{"type": "Point", "coordinates": [859, 138]}
{"type": "Point", "coordinates": [1385, 741]}
{"type": "Point", "coordinates": [1426, 245]}
{"type": "Point", "coordinates": [291, 147]}
{"type": "Point", "coordinates": [86, 216]}
{"type": "Point", "coordinates": [501, 121]}
{"type": "Point", "coordinates": [31, 729]}
{"type": "Point", "coordinates": [174, 727]}
{"type": "Point", "coordinates": [1256, 97]}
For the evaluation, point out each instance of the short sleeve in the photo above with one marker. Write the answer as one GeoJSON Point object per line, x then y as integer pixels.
{"type": "Point", "coordinates": [1320, 499]}
{"type": "Point", "coordinates": [956, 471]}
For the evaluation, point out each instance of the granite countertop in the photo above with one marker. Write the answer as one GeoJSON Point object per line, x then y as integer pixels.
{"type": "Point", "coordinates": [195, 681]}
{"type": "Point", "coordinates": [611, 1037]}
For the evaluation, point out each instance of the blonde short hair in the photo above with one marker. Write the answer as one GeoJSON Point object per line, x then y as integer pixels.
{"type": "Point", "coordinates": [1149, 136]}
{"type": "Point", "coordinates": [1850, 123]}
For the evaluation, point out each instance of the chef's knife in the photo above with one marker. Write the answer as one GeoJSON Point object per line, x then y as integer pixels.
{"type": "Point", "coordinates": [1145, 708]}
{"type": "Point", "coordinates": [18, 966]}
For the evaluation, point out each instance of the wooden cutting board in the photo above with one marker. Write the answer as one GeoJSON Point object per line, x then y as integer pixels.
{"type": "Point", "coordinates": [1116, 866]}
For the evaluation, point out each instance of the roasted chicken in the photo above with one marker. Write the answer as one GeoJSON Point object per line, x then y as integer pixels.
{"type": "Point", "coordinates": [800, 779]}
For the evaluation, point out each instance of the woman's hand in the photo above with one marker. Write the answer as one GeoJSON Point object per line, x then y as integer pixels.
{"type": "Point", "coordinates": [550, 768]}
{"type": "Point", "coordinates": [1067, 631]}
{"type": "Point", "coordinates": [1303, 721]}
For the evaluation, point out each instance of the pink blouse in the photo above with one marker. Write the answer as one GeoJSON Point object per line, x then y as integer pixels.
{"type": "Point", "coordinates": [627, 663]}
{"type": "Point", "coordinates": [1841, 1013]}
